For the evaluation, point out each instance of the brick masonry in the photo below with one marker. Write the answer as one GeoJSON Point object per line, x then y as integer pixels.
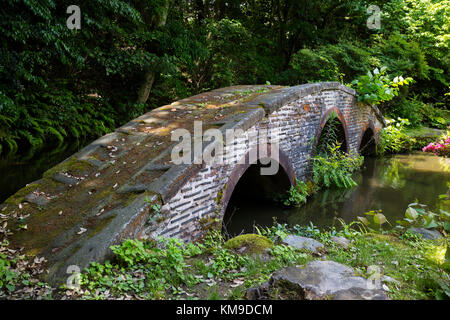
{"type": "Point", "coordinates": [295, 125]}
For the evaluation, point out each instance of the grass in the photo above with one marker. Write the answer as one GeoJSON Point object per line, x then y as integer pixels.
{"type": "Point", "coordinates": [207, 269]}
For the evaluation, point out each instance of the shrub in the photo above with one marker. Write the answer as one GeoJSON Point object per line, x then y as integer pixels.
{"type": "Point", "coordinates": [441, 147]}
{"type": "Point", "coordinates": [408, 108]}
{"type": "Point", "coordinates": [335, 168]}
{"type": "Point", "coordinates": [331, 62]}
{"type": "Point", "coordinates": [434, 117]}
{"type": "Point", "coordinates": [393, 138]}
{"type": "Point", "coordinates": [376, 87]}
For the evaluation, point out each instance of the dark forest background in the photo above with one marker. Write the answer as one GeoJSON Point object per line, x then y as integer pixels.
{"type": "Point", "coordinates": [128, 57]}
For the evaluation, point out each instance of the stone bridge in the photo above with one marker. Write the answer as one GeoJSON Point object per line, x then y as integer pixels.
{"type": "Point", "coordinates": [126, 184]}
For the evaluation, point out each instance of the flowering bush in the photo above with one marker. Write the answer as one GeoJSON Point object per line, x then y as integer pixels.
{"type": "Point", "coordinates": [393, 138]}
{"type": "Point", "coordinates": [441, 147]}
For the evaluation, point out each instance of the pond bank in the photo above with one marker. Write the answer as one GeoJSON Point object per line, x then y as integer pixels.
{"type": "Point", "coordinates": [412, 268]}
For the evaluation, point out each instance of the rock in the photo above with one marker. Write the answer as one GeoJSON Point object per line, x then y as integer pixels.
{"type": "Point", "coordinates": [322, 280]}
{"type": "Point", "coordinates": [302, 243]}
{"type": "Point", "coordinates": [387, 279]}
{"type": "Point", "coordinates": [36, 199]}
{"type": "Point", "coordinates": [249, 244]}
{"type": "Point", "coordinates": [341, 241]}
{"type": "Point", "coordinates": [426, 234]}
{"type": "Point", "coordinates": [65, 179]}
{"type": "Point", "coordinates": [259, 293]}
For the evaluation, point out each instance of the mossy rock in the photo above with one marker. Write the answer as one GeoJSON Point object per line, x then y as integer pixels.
{"type": "Point", "coordinates": [249, 243]}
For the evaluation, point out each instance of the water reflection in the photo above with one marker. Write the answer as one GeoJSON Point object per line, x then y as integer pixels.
{"type": "Point", "coordinates": [18, 170]}
{"type": "Point", "coordinates": [389, 184]}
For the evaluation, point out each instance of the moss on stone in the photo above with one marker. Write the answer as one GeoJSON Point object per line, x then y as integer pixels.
{"type": "Point", "coordinates": [249, 243]}
{"type": "Point", "coordinates": [18, 197]}
{"type": "Point", "coordinates": [209, 223]}
{"type": "Point", "coordinates": [100, 225]}
{"type": "Point", "coordinates": [72, 165]}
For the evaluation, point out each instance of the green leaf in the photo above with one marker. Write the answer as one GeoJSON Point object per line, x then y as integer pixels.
{"type": "Point", "coordinates": [379, 218]}
{"type": "Point", "coordinates": [411, 213]}
{"type": "Point", "coordinates": [364, 220]}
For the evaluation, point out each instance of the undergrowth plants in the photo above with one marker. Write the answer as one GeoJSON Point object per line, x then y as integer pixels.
{"type": "Point", "coordinates": [332, 166]}
{"type": "Point", "coordinates": [393, 138]}
{"type": "Point", "coordinates": [335, 168]}
{"type": "Point", "coordinates": [169, 268]}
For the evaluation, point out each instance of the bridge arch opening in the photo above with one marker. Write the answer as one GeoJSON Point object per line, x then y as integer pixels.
{"type": "Point", "coordinates": [332, 129]}
{"type": "Point", "coordinates": [367, 146]}
{"type": "Point", "coordinates": [247, 191]}
{"type": "Point", "coordinates": [252, 194]}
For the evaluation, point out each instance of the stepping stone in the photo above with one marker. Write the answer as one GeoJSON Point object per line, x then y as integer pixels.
{"type": "Point", "coordinates": [302, 243]}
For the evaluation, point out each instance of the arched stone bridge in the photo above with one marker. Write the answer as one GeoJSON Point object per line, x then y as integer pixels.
{"type": "Point", "coordinates": [109, 190]}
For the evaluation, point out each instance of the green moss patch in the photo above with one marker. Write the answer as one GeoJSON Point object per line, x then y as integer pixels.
{"type": "Point", "coordinates": [19, 195]}
{"type": "Point", "coordinates": [72, 165]}
{"type": "Point", "coordinates": [249, 243]}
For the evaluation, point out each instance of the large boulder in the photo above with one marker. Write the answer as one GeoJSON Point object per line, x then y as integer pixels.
{"type": "Point", "coordinates": [320, 280]}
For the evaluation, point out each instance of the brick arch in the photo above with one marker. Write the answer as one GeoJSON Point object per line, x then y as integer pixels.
{"type": "Point", "coordinates": [241, 168]}
{"type": "Point", "coordinates": [369, 125]}
{"type": "Point", "coordinates": [323, 122]}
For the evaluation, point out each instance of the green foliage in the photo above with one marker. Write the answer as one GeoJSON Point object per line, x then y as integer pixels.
{"type": "Point", "coordinates": [335, 168]}
{"type": "Point", "coordinates": [8, 277]}
{"type": "Point", "coordinates": [59, 84]}
{"type": "Point", "coordinates": [296, 195]}
{"type": "Point", "coordinates": [164, 264]}
{"type": "Point", "coordinates": [393, 138]}
{"type": "Point", "coordinates": [376, 87]}
{"type": "Point", "coordinates": [378, 219]}
{"type": "Point", "coordinates": [418, 215]}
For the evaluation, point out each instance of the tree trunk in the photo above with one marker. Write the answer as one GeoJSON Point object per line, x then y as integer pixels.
{"type": "Point", "coordinates": [146, 87]}
{"type": "Point", "coordinates": [149, 77]}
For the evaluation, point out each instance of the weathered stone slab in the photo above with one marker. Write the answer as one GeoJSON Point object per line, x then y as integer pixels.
{"type": "Point", "coordinates": [65, 179]}
{"type": "Point", "coordinates": [37, 199]}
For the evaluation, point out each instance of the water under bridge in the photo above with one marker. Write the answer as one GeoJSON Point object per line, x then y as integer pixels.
{"type": "Point", "coordinates": [127, 184]}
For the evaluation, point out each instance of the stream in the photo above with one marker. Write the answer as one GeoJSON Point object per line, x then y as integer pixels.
{"type": "Point", "coordinates": [18, 170]}
{"type": "Point", "coordinates": [388, 183]}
